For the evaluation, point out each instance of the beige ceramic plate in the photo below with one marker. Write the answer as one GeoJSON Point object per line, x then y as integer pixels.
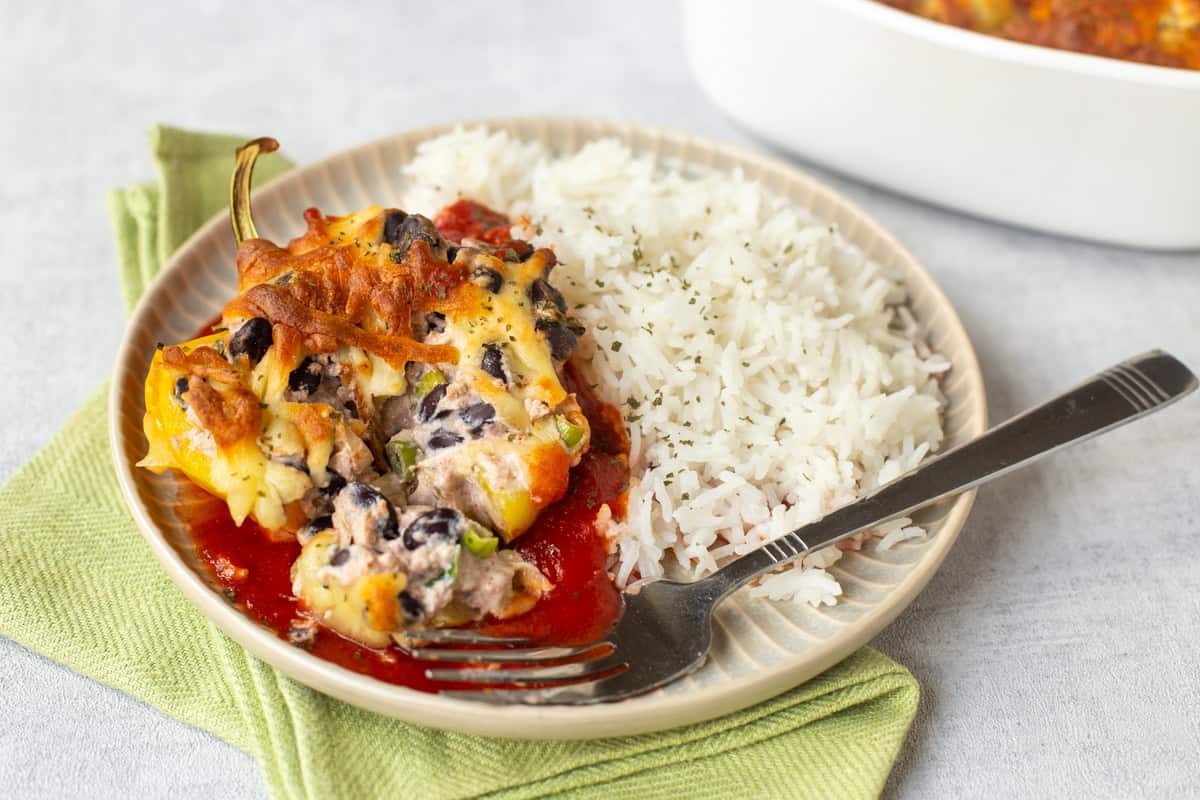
{"type": "Point", "coordinates": [761, 647]}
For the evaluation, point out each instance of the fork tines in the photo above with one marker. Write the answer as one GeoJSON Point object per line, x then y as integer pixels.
{"type": "Point", "coordinates": [457, 636]}
{"type": "Point", "coordinates": [515, 655]}
{"type": "Point", "coordinates": [497, 661]}
{"type": "Point", "coordinates": [527, 676]}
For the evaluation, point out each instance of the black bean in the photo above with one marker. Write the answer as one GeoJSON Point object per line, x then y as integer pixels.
{"type": "Point", "coordinates": [443, 438]}
{"type": "Point", "coordinates": [364, 495]}
{"type": "Point", "coordinates": [334, 485]}
{"type": "Point", "coordinates": [351, 408]}
{"type": "Point", "coordinates": [421, 229]}
{"type": "Point", "coordinates": [435, 322]}
{"type": "Point", "coordinates": [488, 278]}
{"type": "Point", "coordinates": [561, 338]}
{"type": "Point", "coordinates": [522, 248]}
{"type": "Point", "coordinates": [493, 362]}
{"type": "Point", "coordinates": [181, 386]}
{"type": "Point", "coordinates": [411, 606]}
{"type": "Point", "coordinates": [315, 526]}
{"type": "Point", "coordinates": [440, 523]}
{"type": "Point", "coordinates": [392, 224]}
{"type": "Point", "coordinates": [253, 339]}
{"type": "Point", "coordinates": [429, 402]}
{"type": "Point", "coordinates": [451, 254]}
{"type": "Point", "coordinates": [306, 378]}
{"type": "Point", "coordinates": [405, 232]}
{"type": "Point", "coordinates": [340, 557]}
{"type": "Point", "coordinates": [295, 461]}
{"type": "Point", "coordinates": [541, 292]}
{"type": "Point", "coordinates": [477, 415]}
{"type": "Point", "coordinates": [389, 529]}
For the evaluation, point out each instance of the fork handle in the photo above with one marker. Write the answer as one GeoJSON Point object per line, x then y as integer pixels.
{"type": "Point", "coordinates": [1128, 391]}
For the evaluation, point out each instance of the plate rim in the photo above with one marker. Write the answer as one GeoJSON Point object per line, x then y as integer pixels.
{"type": "Point", "coordinates": [630, 717]}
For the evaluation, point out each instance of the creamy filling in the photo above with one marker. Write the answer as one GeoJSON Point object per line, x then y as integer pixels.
{"type": "Point", "coordinates": [426, 545]}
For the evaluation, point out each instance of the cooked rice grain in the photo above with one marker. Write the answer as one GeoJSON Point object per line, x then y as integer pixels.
{"type": "Point", "coordinates": [768, 371]}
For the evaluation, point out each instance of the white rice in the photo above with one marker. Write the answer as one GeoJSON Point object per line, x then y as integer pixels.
{"type": "Point", "coordinates": [767, 369]}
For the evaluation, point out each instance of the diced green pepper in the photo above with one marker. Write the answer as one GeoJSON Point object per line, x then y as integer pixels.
{"type": "Point", "coordinates": [427, 383]}
{"type": "Point", "coordinates": [568, 431]}
{"type": "Point", "coordinates": [479, 542]}
{"type": "Point", "coordinates": [402, 456]}
{"type": "Point", "coordinates": [514, 508]}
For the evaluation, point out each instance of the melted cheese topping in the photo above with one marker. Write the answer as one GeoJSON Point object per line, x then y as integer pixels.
{"type": "Point", "coordinates": [346, 310]}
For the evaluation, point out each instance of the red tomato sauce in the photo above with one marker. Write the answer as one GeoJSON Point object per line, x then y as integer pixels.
{"type": "Point", "coordinates": [572, 554]}
{"type": "Point", "coordinates": [466, 219]}
{"type": "Point", "coordinates": [264, 591]}
{"type": "Point", "coordinates": [211, 327]}
{"type": "Point", "coordinates": [564, 542]}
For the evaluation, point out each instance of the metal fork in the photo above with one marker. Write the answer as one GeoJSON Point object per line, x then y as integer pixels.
{"type": "Point", "coordinates": [665, 630]}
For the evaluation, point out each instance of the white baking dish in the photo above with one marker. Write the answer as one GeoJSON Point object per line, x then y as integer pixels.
{"type": "Point", "coordinates": [1063, 142]}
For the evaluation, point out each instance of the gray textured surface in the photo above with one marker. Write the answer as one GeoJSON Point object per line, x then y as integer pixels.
{"type": "Point", "coordinates": [1056, 647]}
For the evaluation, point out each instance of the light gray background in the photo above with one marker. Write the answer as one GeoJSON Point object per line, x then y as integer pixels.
{"type": "Point", "coordinates": [1057, 647]}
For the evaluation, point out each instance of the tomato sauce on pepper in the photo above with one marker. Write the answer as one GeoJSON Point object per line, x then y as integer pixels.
{"type": "Point", "coordinates": [563, 543]}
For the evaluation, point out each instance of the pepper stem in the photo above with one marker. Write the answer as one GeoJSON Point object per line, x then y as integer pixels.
{"type": "Point", "coordinates": [239, 186]}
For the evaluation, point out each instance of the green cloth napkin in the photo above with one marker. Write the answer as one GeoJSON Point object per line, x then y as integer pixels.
{"type": "Point", "coordinates": [78, 584]}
